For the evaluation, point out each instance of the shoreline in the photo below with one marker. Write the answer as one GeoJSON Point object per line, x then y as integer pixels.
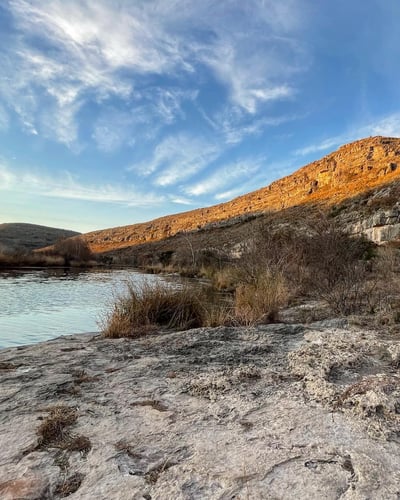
{"type": "Point", "coordinates": [67, 336]}
{"type": "Point", "coordinates": [279, 410]}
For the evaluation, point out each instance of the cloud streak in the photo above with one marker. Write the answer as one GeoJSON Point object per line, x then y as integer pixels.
{"type": "Point", "coordinates": [67, 187]}
{"type": "Point", "coordinates": [178, 158]}
{"type": "Point", "coordinates": [385, 126]}
{"type": "Point", "coordinates": [229, 175]}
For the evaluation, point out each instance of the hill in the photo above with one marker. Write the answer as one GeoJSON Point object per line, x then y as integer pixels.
{"type": "Point", "coordinates": [30, 236]}
{"type": "Point", "coordinates": [342, 175]}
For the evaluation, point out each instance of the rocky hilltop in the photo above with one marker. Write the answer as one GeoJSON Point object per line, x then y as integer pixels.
{"type": "Point", "coordinates": [345, 173]}
{"type": "Point", "coordinates": [274, 411]}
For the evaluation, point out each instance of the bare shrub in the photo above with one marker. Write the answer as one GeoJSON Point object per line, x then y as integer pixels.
{"type": "Point", "coordinates": [339, 270]}
{"type": "Point", "coordinates": [386, 296]}
{"type": "Point", "coordinates": [316, 259]}
{"type": "Point", "coordinates": [260, 301]}
{"type": "Point", "coordinates": [73, 249]}
{"type": "Point", "coordinates": [17, 258]}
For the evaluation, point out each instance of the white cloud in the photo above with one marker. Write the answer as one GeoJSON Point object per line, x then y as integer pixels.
{"type": "Point", "coordinates": [227, 175]}
{"type": "Point", "coordinates": [7, 179]}
{"type": "Point", "coordinates": [385, 126]}
{"type": "Point", "coordinates": [179, 200]}
{"type": "Point", "coordinates": [67, 187]}
{"type": "Point", "coordinates": [148, 113]}
{"type": "Point", "coordinates": [95, 50]}
{"type": "Point", "coordinates": [234, 125]}
{"type": "Point", "coordinates": [177, 158]}
{"type": "Point", "coordinates": [321, 146]}
{"type": "Point", "coordinates": [248, 72]}
{"type": "Point", "coordinates": [388, 126]}
{"type": "Point", "coordinates": [228, 195]}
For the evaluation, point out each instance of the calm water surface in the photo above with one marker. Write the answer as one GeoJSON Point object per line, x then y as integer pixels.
{"type": "Point", "coordinates": [38, 305]}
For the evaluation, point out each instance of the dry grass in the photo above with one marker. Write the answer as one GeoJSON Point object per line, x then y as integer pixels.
{"type": "Point", "coordinates": [54, 431]}
{"type": "Point", "coordinates": [148, 306]}
{"type": "Point", "coordinates": [69, 485]}
{"type": "Point", "coordinates": [275, 267]}
{"type": "Point", "coordinates": [259, 302]}
{"type": "Point", "coordinates": [16, 259]}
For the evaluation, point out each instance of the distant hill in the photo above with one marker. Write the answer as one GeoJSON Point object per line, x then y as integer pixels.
{"type": "Point", "coordinates": [351, 170]}
{"type": "Point", "coordinates": [30, 236]}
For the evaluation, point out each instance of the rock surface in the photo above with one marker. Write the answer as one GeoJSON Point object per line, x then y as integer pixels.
{"type": "Point", "coordinates": [271, 412]}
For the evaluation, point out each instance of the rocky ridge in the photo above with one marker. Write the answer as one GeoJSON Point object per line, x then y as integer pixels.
{"type": "Point", "coordinates": [276, 411]}
{"type": "Point", "coordinates": [352, 169]}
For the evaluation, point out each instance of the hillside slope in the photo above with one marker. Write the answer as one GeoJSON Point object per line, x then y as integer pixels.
{"type": "Point", "coordinates": [30, 236]}
{"type": "Point", "coordinates": [345, 173]}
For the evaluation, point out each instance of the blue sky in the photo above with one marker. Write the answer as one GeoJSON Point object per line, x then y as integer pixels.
{"type": "Point", "coordinates": [115, 112]}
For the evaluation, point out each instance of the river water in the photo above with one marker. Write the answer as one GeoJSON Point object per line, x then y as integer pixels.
{"type": "Point", "coordinates": [37, 305]}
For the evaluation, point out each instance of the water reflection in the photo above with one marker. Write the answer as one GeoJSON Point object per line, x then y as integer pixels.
{"type": "Point", "coordinates": [41, 304]}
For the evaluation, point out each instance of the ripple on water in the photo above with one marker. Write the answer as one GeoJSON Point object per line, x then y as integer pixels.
{"type": "Point", "coordinates": [39, 305]}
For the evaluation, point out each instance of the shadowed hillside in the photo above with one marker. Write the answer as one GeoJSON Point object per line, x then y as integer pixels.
{"type": "Point", "coordinates": [30, 236]}
{"type": "Point", "coordinates": [341, 175]}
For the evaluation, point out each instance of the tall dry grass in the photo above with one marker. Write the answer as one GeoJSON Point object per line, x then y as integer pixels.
{"type": "Point", "coordinates": [147, 306]}
{"type": "Point", "coordinates": [17, 259]}
{"type": "Point", "coordinates": [261, 300]}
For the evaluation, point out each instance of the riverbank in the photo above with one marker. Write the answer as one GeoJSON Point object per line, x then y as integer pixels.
{"type": "Point", "coordinates": [274, 411]}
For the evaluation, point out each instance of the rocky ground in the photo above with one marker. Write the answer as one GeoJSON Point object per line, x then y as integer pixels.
{"type": "Point", "coordinates": [271, 412]}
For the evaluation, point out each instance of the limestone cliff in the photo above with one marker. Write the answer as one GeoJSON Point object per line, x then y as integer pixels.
{"type": "Point", "coordinates": [349, 171]}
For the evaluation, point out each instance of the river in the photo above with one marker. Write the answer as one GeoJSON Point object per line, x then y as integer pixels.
{"type": "Point", "coordinates": [42, 304]}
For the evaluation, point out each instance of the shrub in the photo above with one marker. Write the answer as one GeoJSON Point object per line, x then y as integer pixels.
{"type": "Point", "coordinates": [315, 259]}
{"type": "Point", "coordinates": [260, 301]}
{"type": "Point", "coordinates": [73, 249]}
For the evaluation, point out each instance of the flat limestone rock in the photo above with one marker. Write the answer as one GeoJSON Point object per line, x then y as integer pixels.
{"type": "Point", "coordinates": [268, 412]}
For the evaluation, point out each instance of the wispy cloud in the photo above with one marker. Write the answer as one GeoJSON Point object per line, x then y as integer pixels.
{"type": "Point", "coordinates": [97, 50]}
{"type": "Point", "coordinates": [321, 146]}
{"type": "Point", "coordinates": [144, 117]}
{"type": "Point", "coordinates": [4, 119]}
{"type": "Point", "coordinates": [178, 158]}
{"type": "Point", "coordinates": [388, 126]}
{"type": "Point", "coordinates": [233, 125]}
{"type": "Point", "coordinates": [385, 126]}
{"type": "Point", "coordinates": [179, 200]}
{"type": "Point", "coordinates": [226, 176]}
{"type": "Point", "coordinates": [67, 187]}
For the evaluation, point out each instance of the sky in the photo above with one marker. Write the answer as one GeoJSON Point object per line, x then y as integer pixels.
{"type": "Point", "coordinates": [114, 112]}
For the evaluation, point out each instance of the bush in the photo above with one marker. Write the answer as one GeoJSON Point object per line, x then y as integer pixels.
{"type": "Point", "coordinates": [316, 259]}
{"type": "Point", "coordinates": [73, 250]}
{"type": "Point", "coordinates": [259, 302]}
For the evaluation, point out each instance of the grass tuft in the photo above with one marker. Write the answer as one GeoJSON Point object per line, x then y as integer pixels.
{"type": "Point", "coordinates": [53, 430]}
{"type": "Point", "coordinates": [69, 485]}
{"type": "Point", "coordinates": [148, 306]}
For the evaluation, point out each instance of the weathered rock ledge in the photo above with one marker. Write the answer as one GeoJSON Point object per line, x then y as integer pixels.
{"type": "Point", "coordinates": [274, 412]}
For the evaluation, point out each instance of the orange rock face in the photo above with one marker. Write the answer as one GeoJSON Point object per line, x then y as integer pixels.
{"type": "Point", "coordinates": [352, 169]}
